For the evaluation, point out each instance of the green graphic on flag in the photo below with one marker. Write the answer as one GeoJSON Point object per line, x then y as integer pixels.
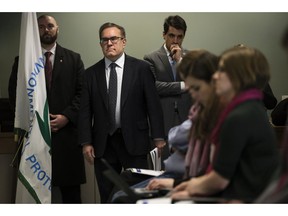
{"type": "Point", "coordinates": [32, 116]}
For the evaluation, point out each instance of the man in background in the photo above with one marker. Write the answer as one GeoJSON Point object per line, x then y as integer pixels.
{"type": "Point", "coordinates": [280, 112]}
{"type": "Point", "coordinates": [63, 85]}
{"type": "Point", "coordinates": [175, 100]}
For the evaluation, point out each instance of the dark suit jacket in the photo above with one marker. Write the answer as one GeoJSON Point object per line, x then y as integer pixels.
{"type": "Point", "coordinates": [280, 113]}
{"type": "Point", "coordinates": [67, 158]}
{"type": "Point", "coordinates": [269, 100]}
{"type": "Point", "coordinates": [139, 102]}
{"type": "Point", "coordinates": [169, 90]}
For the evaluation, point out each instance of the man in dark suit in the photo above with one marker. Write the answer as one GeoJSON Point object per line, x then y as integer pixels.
{"type": "Point", "coordinates": [63, 93]}
{"type": "Point", "coordinates": [121, 134]}
{"type": "Point", "coordinates": [279, 115]}
{"type": "Point", "coordinates": [175, 100]}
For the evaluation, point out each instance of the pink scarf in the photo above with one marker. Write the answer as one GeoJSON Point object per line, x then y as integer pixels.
{"type": "Point", "coordinates": [197, 156]}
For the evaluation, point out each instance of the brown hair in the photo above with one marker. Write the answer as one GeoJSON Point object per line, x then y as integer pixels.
{"type": "Point", "coordinates": [202, 64]}
{"type": "Point", "coordinates": [109, 25]}
{"type": "Point", "coordinates": [246, 67]}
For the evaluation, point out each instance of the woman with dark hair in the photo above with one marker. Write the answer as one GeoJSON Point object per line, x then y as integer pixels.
{"type": "Point", "coordinates": [196, 69]}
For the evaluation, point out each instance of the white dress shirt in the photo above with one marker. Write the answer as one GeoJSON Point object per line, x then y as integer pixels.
{"type": "Point", "coordinates": [119, 70]}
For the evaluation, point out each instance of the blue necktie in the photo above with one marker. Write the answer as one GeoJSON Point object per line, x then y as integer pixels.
{"type": "Point", "coordinates": [112, 98]}
{"type": "Point", "coordinates": [173, 66]}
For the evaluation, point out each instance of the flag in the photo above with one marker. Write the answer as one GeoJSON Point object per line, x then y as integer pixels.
{"type": "Point", "coordinates": [32, 118]}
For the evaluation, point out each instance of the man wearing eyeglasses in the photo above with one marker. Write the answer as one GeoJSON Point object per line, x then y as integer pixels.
{"type": "Point", "coordinates": [63, 93]}
{"type": "Point", "coordinates": [174, 98]}
{"type": "Point", "coordinates": [119, 110]}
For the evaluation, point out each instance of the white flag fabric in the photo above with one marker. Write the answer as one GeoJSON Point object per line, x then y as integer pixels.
{"type": "Point", "coordinates": [32, 117]}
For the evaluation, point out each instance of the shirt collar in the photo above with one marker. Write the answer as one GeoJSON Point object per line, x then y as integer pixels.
{"type": "Point", "coordinates": [119, 61]}
{"type": "Point", "coordinates": [52, 50]}
{"type": "Point", "coordinates": [167, 51]}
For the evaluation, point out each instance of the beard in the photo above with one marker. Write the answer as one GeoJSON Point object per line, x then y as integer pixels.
{"type": "Point", "coordinates": [48, 39]}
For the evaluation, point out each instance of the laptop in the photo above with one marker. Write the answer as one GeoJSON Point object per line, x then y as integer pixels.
{"type": "Point", "coordinates": [133, 194]}
{"type": "Point", "coordinates": [138, 194]}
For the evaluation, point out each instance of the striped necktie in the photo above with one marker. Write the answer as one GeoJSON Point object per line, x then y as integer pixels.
{"type": "Point", "coordinates": [173, 66]}
{"type": "Point", "coordinates": [48, 70]}
{"type": "Point", "coordinates": [112, 97]}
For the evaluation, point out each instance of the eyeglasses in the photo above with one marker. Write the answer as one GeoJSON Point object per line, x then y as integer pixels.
{"type": "Point", "coordinates": [113, 40]}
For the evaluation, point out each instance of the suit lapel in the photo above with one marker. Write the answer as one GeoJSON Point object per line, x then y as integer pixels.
{"type": "Point", "coordinates": [101, 79]}
{"type": "Point", "coordinates": [164, 59]}
{"type": "Point", "coordinates": [58, 60]}
{"type": "Point", "coordinates": [126, 79]}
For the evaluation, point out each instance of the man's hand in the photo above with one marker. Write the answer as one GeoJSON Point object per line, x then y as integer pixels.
{"type": "Point", "coordinates": [57, 122]}
{"type": "Point", "coordinates": [159, 145]}
{"type": "Point", "coordinates": [176, 52]}
{"type": "Point", "coordinates": [88, 153]}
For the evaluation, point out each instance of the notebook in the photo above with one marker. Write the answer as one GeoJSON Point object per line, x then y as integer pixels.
{"type": "Point", "coordinates": [155, 159]}
{"type": "Point", "coordinates": [133, 194]}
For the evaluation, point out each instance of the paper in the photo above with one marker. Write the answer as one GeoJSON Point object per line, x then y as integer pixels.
{"type": "Point", "coordinates": [162, 200]}
{"type": "Point", "coordinates": [146, 171]}
{"type": "Point", "coordinates": [156, 160]}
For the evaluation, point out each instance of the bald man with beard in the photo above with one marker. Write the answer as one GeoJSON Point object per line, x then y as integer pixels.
{"type": "Point", "coordinates": [63, 92]}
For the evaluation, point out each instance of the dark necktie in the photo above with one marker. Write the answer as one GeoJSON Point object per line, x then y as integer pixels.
{"type": "Point", "coordinates": [48, 70]}
{"type": "Point", "coordinates": [112, 97]}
